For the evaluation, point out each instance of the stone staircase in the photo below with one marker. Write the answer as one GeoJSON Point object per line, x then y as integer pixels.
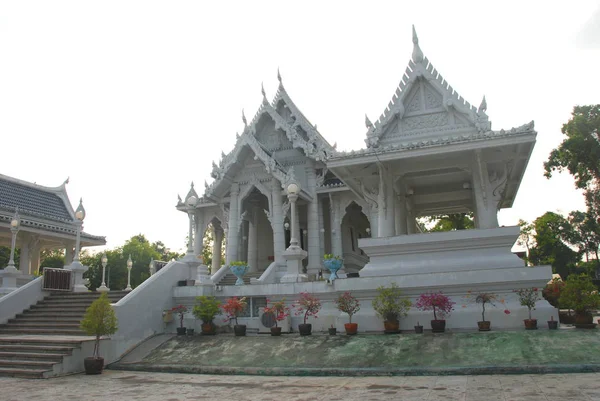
{"type": "Point", "coordinates": [230, 278]}
{"type": "Point", "coordinates": [36, 340]}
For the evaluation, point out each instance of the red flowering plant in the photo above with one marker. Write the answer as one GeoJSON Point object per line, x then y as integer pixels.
{"type": "Point", "coordinates": [553, 290]}
{"type": "Point", "coordinates": [484, 298]}
{"type": "Point", "coordinates": [233, 307]}
{"type": "Point", "coordinates": [278, 309]}
{"type": "Point", "coordinates": [308, 305]}
{"type": "Point", "coordinates": [348, 303]}
{"type": "Point", "coordinates": [439, 303]}
{"type": "Point", "coordinates": [528, 297]}
{"type": "Point", "coordinates": [181, 310]}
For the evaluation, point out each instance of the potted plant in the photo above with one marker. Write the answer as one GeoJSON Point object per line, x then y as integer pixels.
{"type": "Point", "coordinates": [551, 293]}
{"type": "Point", "coordinates": [332, 330]}
{"type": "Point", "coordinates": [180, 310]}
{"type": "Point", "coordinates": [552, 324]}
{"type": "Point", "coordinates": [418, 328]}
{"type": "Point", "coordinates": [239, 268]}
{"type": "Point", "coordinates": [233, 307]}
{"type": "Point", "coordinates": [528, 297]}
{"type": "Point", "coordinates": [440, 304]}
{"type": "Point", "coordinates": [347, 303]}
{"type": "Point", "coordinates": [206, 309]}
{"type": "Point", "coordinates": [333, 264]}
{"type": "Point", "coordinates": [484, 298]}
{"type": "Point", "coordinates": [307, 305]}
{"type": "Point", "coordinates": [581, 295]}
{"type": "Point", "coordinates": [279, 312]}
{"type": "Point", "coordinates": [99, 320]}
{"type": "Point", "coordinates": [390, 306]}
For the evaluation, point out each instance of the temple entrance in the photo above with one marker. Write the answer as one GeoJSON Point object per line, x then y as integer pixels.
{"type": "Point", "coordinates": [355, 225]}
{"type": "Point", "coordinates": [256, 245]}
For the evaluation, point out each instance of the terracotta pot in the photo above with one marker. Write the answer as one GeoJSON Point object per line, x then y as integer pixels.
{"type": "Point", "coordinates": [239, 330]}
{"type": "Point", "coordinates": [181, 331]}
{"type": "Point", "coordinates": [305, 329]}
{"type": "Point", "coordinates": [484, 325]}
{"type": "Point", "coordinates": [208, 329]}
{"type": "Point", "coordinates": [419, 329]}
{"type": "Point", "coordinates": [391, 326]}
{"type": "Point", "coordinates": [93, 366]}
{"type": "Point", "coordinates": [584, 318]}
{"type": "Point", "coordinates": [530, 324]}
{"type": "Point", "coordinates": [438, 326]}
{"type": "Point", "coordinates": [351, 328]}
{"type": "Point", "coordinates": [275, 331]}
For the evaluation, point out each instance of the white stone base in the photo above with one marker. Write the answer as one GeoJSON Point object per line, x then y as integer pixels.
{"type": "Point", "coordinates": [79, 283]}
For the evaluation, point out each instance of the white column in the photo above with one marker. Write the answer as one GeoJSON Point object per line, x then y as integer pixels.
{"type": "Point", "coordinates": [253, 240]}
{"type": "Point", "coordinates": [321, 231]}
{"type": "Point", "coordinates": [277, 223]}
{"type": "Point", "coordinates": [411, 227]}
{"type": "Point", "coordinates": [217, 244]}
{"type": "Point", "coordinates": [68, 253]}
{"type": "Point", "coordinates": [312, 226]}
{"type": "Point", "coordinates": [486, 192]}
{"type": "Point", "coordinates": [24, 255]}
{"type": "Point", "coordinates": [233, 234]}
{"type": "Point", "coordinates": [34, 257]}
{"type": "Point", "coordinates": [386, 203]}
{"type": "Point", "coordinates": [400, 215]}
{"type": "Point", "coordinates": [336, 227]}
{"type": "Point", "coordinates": [199, 231]}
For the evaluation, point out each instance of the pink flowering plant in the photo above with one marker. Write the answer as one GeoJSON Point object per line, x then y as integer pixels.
{"type": "Point", "coordinates": [278, 309]}
{"type": "Point", "coordinates": [484, 298]}
{"type": "Point", "coordinates": [181, 310]}
{"type": "Point", "coordinates": [233, 308]}
{"type": "Point", "coordinates": [528, 297]}
{"type": "Point", "coordinates": [307, 305]}
{"type": "Point", "coordinates": [348, 303]}
{"type": "Point", "coordinates": [437, 302]}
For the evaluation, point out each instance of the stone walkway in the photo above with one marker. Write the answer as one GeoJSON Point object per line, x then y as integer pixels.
{"type": "Point", "coordinates": [117, 385]}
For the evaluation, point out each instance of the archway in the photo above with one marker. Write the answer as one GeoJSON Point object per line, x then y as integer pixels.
{"type": "Point", "coordinates": [355, 225]}
{"type": "Point", "coordinates": [256, 246]}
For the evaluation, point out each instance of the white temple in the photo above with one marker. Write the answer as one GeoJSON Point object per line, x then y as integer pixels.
{"type": "Point", "coordinates": [430, 152]}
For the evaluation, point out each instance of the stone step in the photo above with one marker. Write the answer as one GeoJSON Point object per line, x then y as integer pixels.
{"type": "Point", "coordinates": [68, 332]}
{"type": "Point", "coordinates": [60, 308]}
{"type": "Point", "coordinates": [38, 349]}
{"type": "Point", "coordinates": [42, 325]}
{"type": "Point", "coordinates": [76, 300]}
{"type": "Point", "coordinates": [86, 295]}
{"type": "Point", "coordinates": [25, 364]}
{"type": "Point", "coordinates": [38, 319]}
{"type": "Point", "coordinates": [39, 313]}
{"type": "Point", "coordinates": [22, 373]}
{"type": "Point", "coordinates": [32, 356]}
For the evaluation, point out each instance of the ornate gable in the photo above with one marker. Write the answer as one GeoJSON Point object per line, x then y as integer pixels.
{"type": "Point", "coordinates": [424, 107]}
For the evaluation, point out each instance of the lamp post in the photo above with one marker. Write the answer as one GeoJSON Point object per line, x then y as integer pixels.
{"type": "Point", "coordinates": [294, 255]}
{"type": "Point", "coordinates": [79, 216]}
{"type": "Point", "coordinates": [103, 287]}
{"type": "Point", "coordinates": [293, 189]}
{"type": "Point", "coordinates": [151, 267]}
{"type": "Point", "coordinates": [129, 266]}
{"type": "Point", "coordinates": [15, 224]}
{"type": "Point", "coordinates": [191, 202]}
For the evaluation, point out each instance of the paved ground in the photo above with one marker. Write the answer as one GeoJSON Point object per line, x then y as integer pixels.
{"type": "Point", "coordinates": [117, 385]}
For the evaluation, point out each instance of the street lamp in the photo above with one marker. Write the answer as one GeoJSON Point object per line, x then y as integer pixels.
{"type": "Point", "coordinates": [151, 267]}
{"type": "Point", "coordinates": [103, 287]}
{"type": "Point", "coordinates": [191, 202]}
{"type": "Point", "coordinates": [293, 189]}
{"type": "Point", "coordinates": [129, 266]}
{"type": "Point", "coordinates": [368, 230]}
{"type": "Point", "coordinates": [15, 224]}
{"type": "Point", "coordinates": [79, 216]}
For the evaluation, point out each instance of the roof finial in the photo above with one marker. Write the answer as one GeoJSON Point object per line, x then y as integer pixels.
{"type": "Point", "coordinates": [279, 76]}
{"type": "Point", "coordinates": [192, 185]}
{"type": "Point", "coordinates": [244, 118]}
{"type": "Point", "coordinates": [417, 54]}
{"type": "Point", "coordinates": [262, 90]}
{"type": "Point", "coordinates": [482, 106]}
{"type": "Point", "coordinates": [368, 122]}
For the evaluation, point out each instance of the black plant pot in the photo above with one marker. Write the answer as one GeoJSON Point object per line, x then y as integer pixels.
{"type": "Point", "coordinates": [239, 330]}
{"type": "Point", "coordinates": [552, 324]}
{"type": "Point", "coordinates": [93, 366]}
{"type": "Point", "coordinates": [305, 329]}
{"type": "Point", "coordinates": [190, 332]}
{"type": "Point", "coordinates": [181, 331]}
{"type": "Point", "coordinates": [419, 329]}
{"type": "Point", "coordinates": [332, 331]}
{"type": "Point", "coordinates": [438, 326]}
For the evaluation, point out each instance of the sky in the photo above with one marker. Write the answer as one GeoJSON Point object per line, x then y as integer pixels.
{"type": "Point", "coordinates": [132, 100]}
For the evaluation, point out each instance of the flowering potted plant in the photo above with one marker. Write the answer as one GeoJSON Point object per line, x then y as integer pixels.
{"type": "Point", "coordinates": [347, 303]}
{"type": "Point", "coordinates": [440, 304]}
{"type": "Point", "coordinates": [239, 268]}
{"type": "Point", "coordinates": [180, 310]}
{"type": "Point", "coordinates": [279, 312]}
{"type": "Point", "coordinates": [233, 308]}
{"type": "Point", "coordinates": [581, 295]}
{"type": "Point", "coordinates": [307, 305]}
{"type": "Point", "coordinates": [484, 298]}
{"type": "Point", "coordinates": [206, 309]}
{"type": "Point", "coordinates": [528, 297]}
{"type": "Point", "coordinates": [333, 264]}
{"type": "Point", "coordinates": [390, 306]}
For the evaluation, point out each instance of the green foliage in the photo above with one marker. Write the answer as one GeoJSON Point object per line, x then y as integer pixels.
{"type": "Point", "coordinates": [552, 291]}
{"type": "Point", "coordinates": [5, 256]}
{"type": "Point", "coordinates": [238, 263]}
{"type": "Point", "coordinates": [99, 320]}
{"type": "Point", "coordinates": [579, 294]}
{"type": "Point", "coordinates": [52, 258]}
{"type": "Point", "coordinates": [329, 256]}
{"type": "Point", "coordinates": [451, 222]}
{"type": "Point", "coordinates": [389, 303]}
{"type": "Point", "coordinates": [206, 308]}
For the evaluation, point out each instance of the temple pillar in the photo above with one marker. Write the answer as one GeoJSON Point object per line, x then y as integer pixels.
{"type": "Point", "coordinates": [487, 190]}
{"type": "Point", "coordinates": [217, 245]}
{"type": "Point", "coordinates": [24, 255]}
{"type": "Point", "coordinates": [312, 226]}
{"type": "Point", "coordinates": [199, 231]}
{"type": "Point", "coordinates": [411, 219]}
{"type": "Point", "coordinates": [336, 227]}
{"type": "Point", "coordinates": [321, 231]}
{"type": "Point", "coordinates": [35, 247]}
{"type": "Point", "coordinates": [400, 215]}
{"type": "Point", "coordinates": [253, 240]}
{"type": "Point", "coordinates": [233, 233]}
{"type": "Point", "coordinates": [386, 203]}
{"type": "Point", "coordinates": [69, 250]}
{"type": "Point", "coordinates": [277, 223]}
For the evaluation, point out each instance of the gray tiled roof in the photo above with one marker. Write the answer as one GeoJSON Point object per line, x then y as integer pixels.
{"type": "Point", "coordinates": [34, 201]}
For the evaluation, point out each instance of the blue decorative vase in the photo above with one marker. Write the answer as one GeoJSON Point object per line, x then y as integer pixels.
{"type": "Point", "coordinates": [333, 265]}
{"type": "Point", "coordinates": [239, 271]}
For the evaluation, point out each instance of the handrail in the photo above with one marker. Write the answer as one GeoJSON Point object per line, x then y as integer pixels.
{"type": "Point", "coordinates": [268, 276]}
{"type": "Point", "coordinates": [218, 276]}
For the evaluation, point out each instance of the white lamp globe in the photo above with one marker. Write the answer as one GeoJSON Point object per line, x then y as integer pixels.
{"type": "Point", "coordinates": [293, 188]}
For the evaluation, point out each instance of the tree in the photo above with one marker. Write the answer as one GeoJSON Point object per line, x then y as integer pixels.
{"type": "Point", "coordinates": [526, 238]}
{"type": "Point", "coordinates": [5, 256]}
{"type": "Point", "coordinates": [52, 258]}
{"type": "Point", "coordinates": [450, 222]}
